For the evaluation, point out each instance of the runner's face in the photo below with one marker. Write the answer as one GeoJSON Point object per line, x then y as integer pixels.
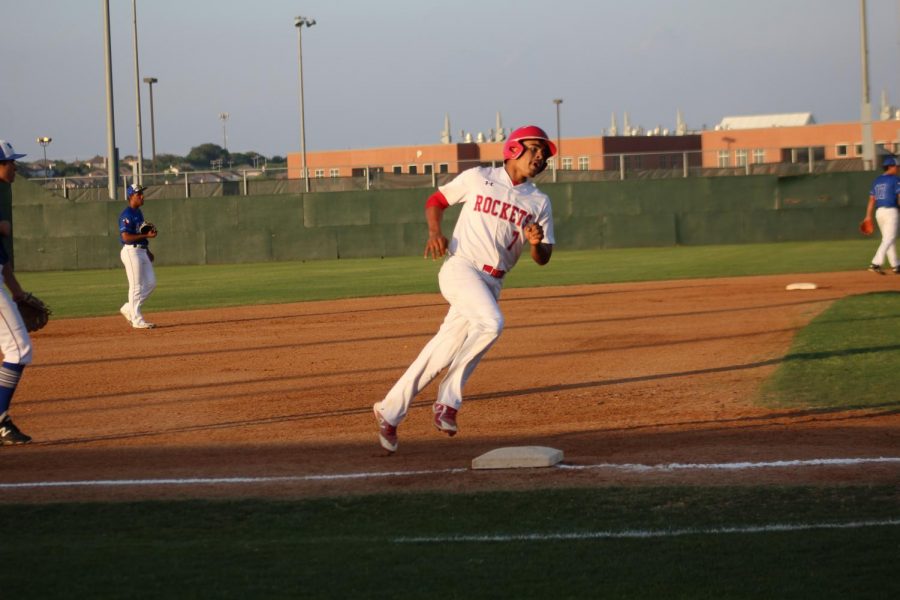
{"type": "Point", "coordinates": [534, 158]}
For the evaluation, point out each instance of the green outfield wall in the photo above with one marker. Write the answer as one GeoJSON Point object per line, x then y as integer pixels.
{"type": "Point", "coordinates": [55, 233]}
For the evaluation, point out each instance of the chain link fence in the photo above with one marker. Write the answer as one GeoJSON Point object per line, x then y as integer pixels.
{"type": "Point", "coordinates": [275, 180]}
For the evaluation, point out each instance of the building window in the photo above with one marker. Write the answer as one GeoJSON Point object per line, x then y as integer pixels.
{"type": "Point", "coordinates": [443, 168]}
{"type": "Point", "coordinates": [841, 150]}
{"type": "Point", "coordinates": [427, 169]}
{"type": "Point", "coordinates": [567, 163]}
{"type": "Point", "coordinates": [584, 163]}
{"type": "Point", "coordinates": [740, 158]}
{"type": "Point", "coordinates": [759, 156]}
{"type": "Point", "coordinates": [335, 173]}
{"type": "Point", "coordinates": [397, 169]}
{"type": "Point", "coordinates": [723, 158]}
{"type": "Point", "coordinates": [320, 173]}
{"type": "Point", "coordinates": [413, 169]}
{"type": "Point", "coordinates": [858, 149]}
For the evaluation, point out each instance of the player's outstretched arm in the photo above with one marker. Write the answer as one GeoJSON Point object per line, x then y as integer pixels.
{"type": "Point", "coordinates": [436, 246]}
{"type": "Point", "coordinates": [12, 284]}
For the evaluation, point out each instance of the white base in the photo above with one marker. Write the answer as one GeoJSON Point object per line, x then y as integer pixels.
{"type": "Point", "coordinates": [518, 457]}
{"type": "Point", "coordinates": [801, 286]}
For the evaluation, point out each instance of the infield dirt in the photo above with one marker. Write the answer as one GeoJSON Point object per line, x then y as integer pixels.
{"type": "Point", "coordinates": [645, 373]}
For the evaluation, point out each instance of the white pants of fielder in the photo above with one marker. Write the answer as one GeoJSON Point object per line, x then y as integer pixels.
{"type": "Point", "coordinates": [887, 223]}
{"type": "Point", "coordinates": [141, 280]}
{"type": "Point", "coordinates": [15, 343]}
{"type": "Point", "coordinates": [470, 328]}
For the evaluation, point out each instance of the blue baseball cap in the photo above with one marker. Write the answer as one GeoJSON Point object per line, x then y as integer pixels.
{"type": "Point", "coordinates": [889, 161]}
{"type": "Point", "coordinates": [7, 152]}
{"type": "Point", "coordinates": [134, 188]}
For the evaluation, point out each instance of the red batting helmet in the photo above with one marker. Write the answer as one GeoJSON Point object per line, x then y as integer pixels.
{"type": "Point", "coordinates": [513, 149]}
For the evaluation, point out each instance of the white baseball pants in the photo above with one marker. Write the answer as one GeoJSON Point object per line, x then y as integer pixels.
{"type": "Point", "coordinates": [472, 325]}
{"type": "Point", "coordinates": [887, 223]}
{"type": "Point", "coordinates": [15, 343]}
{"type": "Point", "coordinates": [141, 280]}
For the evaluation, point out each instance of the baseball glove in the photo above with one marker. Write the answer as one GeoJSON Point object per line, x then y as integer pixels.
{"type": "Point", "coordinates": [146, 227]}
{"type": "Point", "coordinates": [866, 227]}
{"type": "Point", "coordinates": [34, 312]}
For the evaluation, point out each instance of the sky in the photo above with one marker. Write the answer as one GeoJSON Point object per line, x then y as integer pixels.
{"type": "Point", "coordinates": [385, 73]}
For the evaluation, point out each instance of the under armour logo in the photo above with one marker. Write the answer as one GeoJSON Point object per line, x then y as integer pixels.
{"type": "Point", "coordinates": [486, 182]}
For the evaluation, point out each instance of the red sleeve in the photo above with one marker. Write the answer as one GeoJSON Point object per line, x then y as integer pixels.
{"type": "Point", "coordinates": [437, 199]}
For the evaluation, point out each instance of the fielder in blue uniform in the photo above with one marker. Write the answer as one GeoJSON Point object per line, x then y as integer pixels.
{"type": "Point", "coordinates": [883, 203]}
{"type": "Point", "coordinates": [15, 343]}
{"type": "Point", "coordinates": [136, 257]}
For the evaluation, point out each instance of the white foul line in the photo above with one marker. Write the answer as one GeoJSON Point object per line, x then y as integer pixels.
{"type": "Point", "coordinates": [736, 466]}
{"type": "Point", "coordinates": [638, 468]}
{"type": "Point", "coordinates": [221, 480]}
{"type": "Point", "coordinates": [643, 534]}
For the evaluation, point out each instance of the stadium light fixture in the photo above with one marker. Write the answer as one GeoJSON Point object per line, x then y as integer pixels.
{"type": "Point", "coordinates": [44, 141]}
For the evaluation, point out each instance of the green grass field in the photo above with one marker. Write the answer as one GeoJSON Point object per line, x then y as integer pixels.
{"type": "Point", "coordinates": [640, 542]}
{"type": "Point", "coordinates": [101, 292]}
{"type": "Point", "coordinates": [605, 543]}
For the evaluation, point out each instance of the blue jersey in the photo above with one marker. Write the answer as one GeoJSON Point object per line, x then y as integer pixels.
{"type": "Point", "coordinates": [4, 257]}
{"type": "Point", "coordinates": [885, 190]}
{"type": "Point", "coordinates": [129, 222]}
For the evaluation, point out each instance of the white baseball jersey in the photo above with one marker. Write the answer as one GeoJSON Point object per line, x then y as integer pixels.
{"type": "Point", "coordinates": [490, 227]}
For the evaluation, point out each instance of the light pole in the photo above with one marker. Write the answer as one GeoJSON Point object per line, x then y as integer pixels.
{"type": "Point", "coordinates": [866, 109]}
{"type": "Point", "coordinates": [150, 81]}
{"type": "Point", "coordinates": [137, 97]}
{"type": "Point", "coordinates": [44, 142]}
{"type": "Point", "coordinates": [112, 154]}
{"type": "Point", "coordinates": [224, 117]}
{"type": "Point", "coordinates": [299, 22]}
{"type": "Point", "coordinates": [557, 102]}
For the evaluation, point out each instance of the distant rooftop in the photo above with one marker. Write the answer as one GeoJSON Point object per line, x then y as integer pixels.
{"type": "Point", "coordinates": [766, 121]}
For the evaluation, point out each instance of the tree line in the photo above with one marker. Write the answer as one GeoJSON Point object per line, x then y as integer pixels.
{"type": "Point", "coordinates": [200, 158]}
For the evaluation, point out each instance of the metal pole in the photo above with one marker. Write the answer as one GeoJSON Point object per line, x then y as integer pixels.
{"type": "Point", "coordinates": [299, 22]}
{"type": "Point", "coordinates": [137, 97]}
{"type": "Point", "coordinates": [44, 141]}
{"type": "Point", "coordinates": [150, 81]}
{"type": "Point", "coordinates": [224, 117]}
{"type": "Point", "coordinates": [303, 172]}
{"type": "Point", "coordinates": [112, 159]}
{"type": "Point", "coordinates": [557, 102]}
{"type": "Point", "coordinates": [868, 143]}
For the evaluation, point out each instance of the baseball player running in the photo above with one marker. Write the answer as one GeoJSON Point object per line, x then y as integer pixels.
{"type": "Point", "coordinates": [883, 202]}
{"type": "Point", "coordinates": [15, 343]}
{"type": "Point", "coordinates": [502, 212]}
{"type": "Point", "coordinates": [136, 257]}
